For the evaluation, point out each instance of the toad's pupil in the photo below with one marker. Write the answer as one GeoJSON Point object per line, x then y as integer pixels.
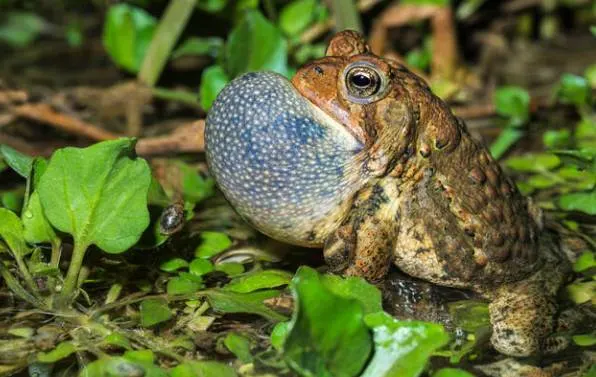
{"type": "Point", "coordinates": [361, 80]}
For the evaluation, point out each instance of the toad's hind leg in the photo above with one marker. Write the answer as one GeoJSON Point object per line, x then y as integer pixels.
{"type": "Point", "coordinates": [522, 317]}
{"type": "Point", "coordinates": [363, 244]}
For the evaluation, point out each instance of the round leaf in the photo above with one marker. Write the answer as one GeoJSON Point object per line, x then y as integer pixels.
{"type": "Point", "coordinates": [98, 194]}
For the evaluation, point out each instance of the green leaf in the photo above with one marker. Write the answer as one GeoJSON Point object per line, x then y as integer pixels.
{"type": "Point", "coordinates": [37, 229]}
{"type": "Point", "coordinates": [279, 335]}
{"type": "Point", "coordinates": [582, 292]}
{"type": "Point", "coordinates": [402, 348]}
{"type": "Point", "coordinates": [585, 261]}
{"type": "Point", "coordinates": [19, 29]}
{"type": "Point", "coordinates": [296, 16]}
{"type": "Point", "coordinates": [98, 194]}
{"type": "Point", "coordinates": [198, 46]}
{"type": "Point", "coordinates": [13, 200]}
{"type": "Point", "coordinates": [230, 268]}
{"type": "Point", "coordinates": [590, 74]}
{"type": "Point", "coordinates": [584, 340]}
{"type": "Point", "coordinates": [121, 367]}
{"type": "Point", "coordinates": [74, 34]}
{"type": "Point", "coordinates": [573, 90]}
{"type": "Point", "coordinates": [127, 32]}
{"type": "Point", "coordinates": [62, 350]}
{"type": "Point", "coordinates": [442, 3]}
{"type": "Point", "coordinates": [328, 336]}
{"type": "Point", "coordinates": [213, 80]}
{"type": "Point", "coordinates": [19, 162]}
{"type": "Point", "coordinates": [195, 188]}
{"type": "Point", "coordinates": [533, 163]}
{"type": "Point", "coordinates": [542, 181]}
{"type": "Point", "coordinates": [11, 230]}
{"type": "Point", "coordinates": [212, 6]}
{"type": "Point", "coordinates": [514, 103]}
{"type": "Point", "coordinates": [255, 45]}
{"type": "Point", "coordinates": [200, 266]}
{"type": "Point", "coordinates": [202, 369]}
{"type": "Point", "coordinates": [583, 159]}
{"type": "Point", "coordinates": [259, 280]}
{"type": "Point", "coordinates": [469, 315]}
{"type": "Point", "coordinates": [556, 138]}
{"type": "Point", "coordinates": [182, 285]}
{"type": "Point", "coordinates": [252, 303]}
{"type": "Point", "coordinates": [141, 356]}
{"type": "Point", "coordinates": [239, 346]}
{"type": "Point", "coordinates": [579, 201]}
{"type": "Point", "coordinates": [173, 264]}
{"type": "Point", "coordinates": [452, 372]}
{"type": "Point", "coordinates": [119, 340]}
{"type": "Point", "coordinates": [506, 139]}
{"type": "Point", "coordinates": [212, 244]}
{"type": "Point", "coordinates": [357, 288]}
{"type": "Point", "coordinates": [585, 134]}
{"type": "Point", "coordinates": [154, 311]}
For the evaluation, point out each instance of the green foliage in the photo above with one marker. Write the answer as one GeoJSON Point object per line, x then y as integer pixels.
{"type": "Point", "coordinates": [297, 15]}
{"type": "Point", "coordinates": [62, 350]}
{"type": "Point", "coordinates": [154, 311]}
{"type": "Point", "coordinates": [213, 80]}
{"type": "Point", "coordinates": [184, 284]}
{"type": "Point", "coordinates": [574, 90]}
{"type": "Point", "coordinates": [259, 280]}
{"type": "Point", "coordinates": [585, 340]}
{"type": "Point", "coordinates": [98, 194]}
{"type": "Point", "coordinates": [19, 29]}
{"type": "Point", "coordinates": [212, 6]}
{"type": "Point", "coordinates": [200, 266]}
{"type": "Point", "coordinates": [320, 344]}
{"type": "Point", "coordinates": [252, 303]}
{"type": "Point", "coordinates": [513, 103]}
{"type": "Point", "coordinates": [127, 33]}
{"type": "Point", "coordinates": [415, 341]}
{"type": "Point", "coordinates": [11, 231]}
{"type": "Point", "coordinates": [585, 262]}
{"type": "Point", "coordinates": [452, 372]}
{"type": "Point", "coordinates": [254, 44]}
{"type": "Point", "coordinates": [16, 160]}
{"type": "Point", "coordinates": [239, 346]}
{"type": "Point", "coordinates": [197, 46]}
{"type": "Point", "coordinates": [355, 288]}
{"type": "Point", "coordinates": [203, 369]}
{"type": "Point", "coordinates": [212, 244]}
{"type": "Point", "coordinates": [173, 264]}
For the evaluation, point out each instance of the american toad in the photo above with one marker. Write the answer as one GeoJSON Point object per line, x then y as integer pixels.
{"type": "Point", "coordinates": [356, 155]}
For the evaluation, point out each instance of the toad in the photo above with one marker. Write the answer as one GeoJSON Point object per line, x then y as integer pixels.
{"type": "Point", "coordinates": [357, 156]}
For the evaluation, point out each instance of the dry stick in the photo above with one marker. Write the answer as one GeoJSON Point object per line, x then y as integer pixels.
{"type": "Point", "coordinates": [188, 138]}
{"type": "Point", "coordinates": [44, 113]}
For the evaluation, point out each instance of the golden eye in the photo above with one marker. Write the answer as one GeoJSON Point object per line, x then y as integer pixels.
{"type": "Point", "coordinates": [363, 83]}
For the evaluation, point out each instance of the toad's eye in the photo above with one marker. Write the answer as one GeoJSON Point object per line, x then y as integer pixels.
{"type": "Point", "coordinates": [363, 83]}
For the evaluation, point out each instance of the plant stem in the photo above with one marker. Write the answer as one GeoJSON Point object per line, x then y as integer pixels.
{"type": "Point", "coordinates": [346, 16]}
{"type": "Point", "coordinates": [25, 272]}
{"type": "Point", "coordinates": [170, 26]}
{"type": "Point", "coordinates": [18, 290]}
{"type": "Point", "coordinates": [72, 276]}
{"type": "Point", "coordinates": [56, 252]}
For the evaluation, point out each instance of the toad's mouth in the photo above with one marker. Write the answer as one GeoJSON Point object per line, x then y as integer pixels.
{"type": "Point", "coordinates": [281, 161]}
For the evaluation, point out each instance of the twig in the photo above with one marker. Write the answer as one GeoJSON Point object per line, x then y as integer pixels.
{"type": "Point", "coordinates": [188, 138]}
{"type": "Point", "coordinates": [43, 113]}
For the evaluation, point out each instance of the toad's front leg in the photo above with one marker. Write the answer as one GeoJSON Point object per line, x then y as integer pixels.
{"type": "Point", "coordinates": [362, 245]}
